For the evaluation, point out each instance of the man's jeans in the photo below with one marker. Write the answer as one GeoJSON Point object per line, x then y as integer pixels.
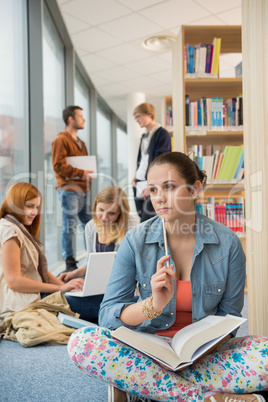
{"type": "Point", "coordinates": [73, 205]}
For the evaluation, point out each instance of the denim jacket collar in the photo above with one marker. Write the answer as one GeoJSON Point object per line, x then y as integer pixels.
{"type": "Point", "coordinates": [205, 233]}
{"type": "Point", "coordinates": [155, 234]}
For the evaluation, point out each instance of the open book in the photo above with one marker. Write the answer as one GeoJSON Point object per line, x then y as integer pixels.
{"type": "Point", "coordinates": [187, 345]}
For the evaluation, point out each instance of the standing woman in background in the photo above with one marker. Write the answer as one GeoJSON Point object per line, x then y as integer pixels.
{"type": "Point", "coordinates": [24, 275]}
{"type": "Point", "coordinates": [105, 232]}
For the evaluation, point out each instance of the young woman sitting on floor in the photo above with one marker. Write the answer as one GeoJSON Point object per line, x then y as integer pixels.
{"type": "Point", "coordinates": [206, 276]}
{"type": "Point", "coordinates": [105, 232]}
{"type": "Point", "coordinates": [24, 276]}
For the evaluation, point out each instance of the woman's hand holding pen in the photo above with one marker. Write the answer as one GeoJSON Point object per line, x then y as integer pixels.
{"type": "Point", "coordinates": [77, 273]}
{"type": "Point", "coordinates": [162, 281]}
{"type": "Point", "coordinates": [162, 284]}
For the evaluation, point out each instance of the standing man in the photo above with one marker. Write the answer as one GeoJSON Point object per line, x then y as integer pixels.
{"type": "Point", "coordinates": [154, 142]}
{"type": "Point", "coordinates": [73, 184]}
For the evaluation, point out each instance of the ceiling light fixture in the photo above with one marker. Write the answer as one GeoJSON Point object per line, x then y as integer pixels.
{"type": "Point", "coordinates": [161, 43]}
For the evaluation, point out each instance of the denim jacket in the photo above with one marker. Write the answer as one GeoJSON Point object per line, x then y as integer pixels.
{"type": "Point", "coordinates": [217, 274]}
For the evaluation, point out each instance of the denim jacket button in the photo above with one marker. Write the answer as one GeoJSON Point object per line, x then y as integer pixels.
{"type": "Point", "coordinates": [194, 294]}
{"type": "Point", "coordinates": [166, 325]}
{"type": "Point", "coordinates": [171, 313]}
{"type": "Point", "coordinates": [144, 285]}
{"type": "Point", "coordinates": [219, 290]}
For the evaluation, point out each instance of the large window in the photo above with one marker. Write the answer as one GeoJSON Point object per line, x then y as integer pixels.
{"type": "Point", "coordinates": [14, 124]}
{"type": "Point", "coordinates": [104, 150]}
{"type": "Point", "coordinates": [19, 19]}
{"type": "Point", "coordinates": [81, 98]}
{"type": "Point", "coordinates": [54, 96]}
{"type": "Point", "coordinates": [122, 158]}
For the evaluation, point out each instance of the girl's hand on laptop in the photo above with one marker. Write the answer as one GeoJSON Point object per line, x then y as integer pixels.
{"type": "Point", "coordinates": [77, 273]}
{"type": "Point", "coordinates": [74, 284]}
{"type": "Point", "coordinates": [67, 276]}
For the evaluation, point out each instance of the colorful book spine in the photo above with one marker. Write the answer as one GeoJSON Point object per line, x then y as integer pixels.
{"type": "Point", "coordinates": [202, 59]}
{"type": "Point", "coordinates": [187, 110]}
{"type": "Point", "coordinates": [169, 116]}
{"type": "Point", "coordinates": [228, 214]}
{"type": "Point", "coordinates": [208, 58]}
{"type": "Point", "coordinates": [216, 56]}
{"type": "Point", "coordinates": [225, 165]}
{"type": "Point", "coordinates": [213, 113]}
{"type": "Point", "coordinates": [191, 60]}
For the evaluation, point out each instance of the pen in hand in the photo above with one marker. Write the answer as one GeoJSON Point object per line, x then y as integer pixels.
{"type": "Point", "coordinates": [165, 239]}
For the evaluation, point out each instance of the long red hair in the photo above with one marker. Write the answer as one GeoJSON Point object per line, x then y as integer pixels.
{"type": "Point", "coordinates": [14, 203]}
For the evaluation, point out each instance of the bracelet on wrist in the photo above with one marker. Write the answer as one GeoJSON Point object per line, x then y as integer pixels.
{"type": "Point", "coordinates": [148, 310]}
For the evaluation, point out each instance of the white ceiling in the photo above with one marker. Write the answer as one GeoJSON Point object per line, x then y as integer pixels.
{"type": "Point", "coordinates": [107, 35]}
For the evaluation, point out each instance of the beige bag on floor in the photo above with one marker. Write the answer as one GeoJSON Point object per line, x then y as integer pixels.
{"type": "Point", "coordinates": [38, 323]}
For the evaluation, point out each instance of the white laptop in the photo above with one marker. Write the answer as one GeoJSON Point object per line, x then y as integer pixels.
{"type": "Point", "coordinates": [98, 272]}
{"type": "Point", "coordinates": [84, 162]}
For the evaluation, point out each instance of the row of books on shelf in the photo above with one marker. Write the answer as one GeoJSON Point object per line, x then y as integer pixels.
{"type": "Point", "coordinates": [229, 214]}
{"type": "Point", "coordinates": [202, 60]}
{"type": "Point", "coordinates": [214, 112]}
{"type": "Point", "coordinates": [169, 116]}
{"type": "Point", "coordinates": [224, 165]}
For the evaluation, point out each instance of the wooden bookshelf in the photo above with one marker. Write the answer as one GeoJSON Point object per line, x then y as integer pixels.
{"type": "Point", "coordinates": [197, 88]}
{"type": "Point", "coordinates": [225, 87]}
{"type": "Point", "coordinates": [220, 190]}
{"type": "Point", "coordinates": [232, 137]}
{"type": "Point", "coordinates": [209, 87]}
{"type": "Point", "coordinates": [230, 35]}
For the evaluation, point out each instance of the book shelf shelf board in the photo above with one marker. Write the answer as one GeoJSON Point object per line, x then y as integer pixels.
{"type": "Point", "coordinates": [168, 100]}
{"type": "Point", "coordinates": [216, 138]}
{"type": "Point", "coordinates": [218, 192]}
{"type": "Point", "coordinates": [225, 184]}
{"type": "Point", "coordinates": [212, 87]}
{"type": "Point", "coordinates": [230, 36]}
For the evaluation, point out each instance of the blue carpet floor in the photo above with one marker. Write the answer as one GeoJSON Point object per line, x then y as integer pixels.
{"type": "Point", "coordinates": [45, 373]}
{"type": "Point", "coordinates": [42, 374]}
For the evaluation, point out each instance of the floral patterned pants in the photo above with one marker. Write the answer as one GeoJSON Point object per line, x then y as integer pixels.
{"type": "Point", "coordinates": [238, 365]}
